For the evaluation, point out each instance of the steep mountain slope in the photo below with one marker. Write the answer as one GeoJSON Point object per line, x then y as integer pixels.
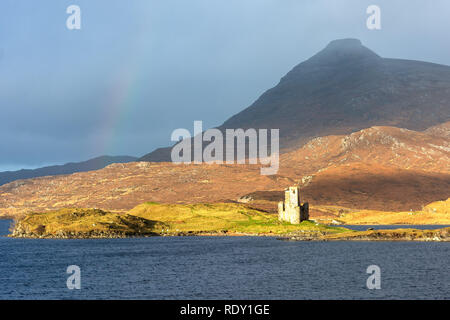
{"type": "Point", "coordinates": [383, 168]}
{"type": "Point", "coordinates": [345, 88]}
{"type": "Point", "coordinates": [68, 168]}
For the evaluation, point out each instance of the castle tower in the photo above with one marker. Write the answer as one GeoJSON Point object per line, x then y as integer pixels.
{"type": "Point", "coordinates": [292, 210]}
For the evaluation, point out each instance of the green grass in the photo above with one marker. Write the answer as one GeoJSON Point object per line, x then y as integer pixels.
{"type": "Point", "coordinates": [229, 217]}
{"type": "Point", "coordinates": [178, 219]}
{"type": "Point", "coordinates": [167, 219]}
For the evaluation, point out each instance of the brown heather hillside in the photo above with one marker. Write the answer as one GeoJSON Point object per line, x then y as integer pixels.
{"type": "Point", "coordinates": [363, 186]}
{"type": "Point", "coordinates": [380, 168]}
{"type": "Point", "coordinates": [386, 146]}
{"type": "Point", "coordinates": [120, 187]}
{"type": "Point", "coordinates": [442, 130]}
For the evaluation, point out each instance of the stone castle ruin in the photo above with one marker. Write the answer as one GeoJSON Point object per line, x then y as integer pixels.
{"type": "Point", "coordinates": [292, 209]}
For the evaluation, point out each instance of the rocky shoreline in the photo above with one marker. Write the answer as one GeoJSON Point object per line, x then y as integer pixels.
{"type": "Point", "coordinates": [19, 233]}
{"type": "Point", "coordinates": [80, 235]}
{"type": "Point", "coordinates": [437, 235]}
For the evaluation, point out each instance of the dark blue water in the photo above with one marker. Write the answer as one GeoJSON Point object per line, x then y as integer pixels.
{"type": "Point", "coordinates": [221, 268]}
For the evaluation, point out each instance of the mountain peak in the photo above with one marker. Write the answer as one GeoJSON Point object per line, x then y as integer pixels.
{"type": "Point", "coordinates": [343, 50]}
{"type": "Point", "coordinates": [344, 88]}
{"type": "Point", "coordinates": [345, 43]}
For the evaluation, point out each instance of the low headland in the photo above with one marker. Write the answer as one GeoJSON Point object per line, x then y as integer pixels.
{"type": "Point", "coordinates": [217, 219]}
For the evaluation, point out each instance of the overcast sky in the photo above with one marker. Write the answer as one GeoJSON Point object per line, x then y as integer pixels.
{"type": "Point", "coordinates": [139, 69]}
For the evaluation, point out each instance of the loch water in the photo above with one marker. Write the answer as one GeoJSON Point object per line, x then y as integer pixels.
{"type": "Point", "coordinates": [221, 268]}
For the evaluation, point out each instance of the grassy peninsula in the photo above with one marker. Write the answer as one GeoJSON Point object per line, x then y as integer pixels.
{"type": "Point", "coordinates": [155, 219]}
{"type": "Point", "coordinates": [160, 219]}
